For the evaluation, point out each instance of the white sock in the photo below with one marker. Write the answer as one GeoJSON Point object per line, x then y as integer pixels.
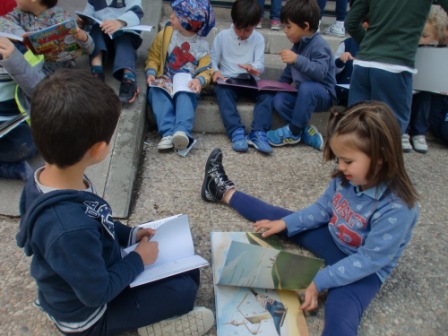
{"type": "Point", "coordinates": [339, 23]}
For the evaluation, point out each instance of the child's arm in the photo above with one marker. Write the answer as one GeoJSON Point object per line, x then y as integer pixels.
{"type": "Point", "coordinates": [256, 67]}
{"type": "Point", "coordinates": [353, 21]}
{"type": "Point", "coordinates": [6, 48]}
{"type": "Point", "coordinates": [153, 65]}
{"type": "Point", "coordinates": [84, 40]}
{"type": "Point", "coordinates": [204, 71]}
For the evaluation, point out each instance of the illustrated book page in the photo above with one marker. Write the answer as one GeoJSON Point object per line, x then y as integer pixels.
{"type": "Point", "coordinates": [176, 250]}
{"type": "Point", "coordinates": [243, 311]}
{"type": "Point", "coordinates": [179, 83]}
{"type": "Point", "coordinates": [248, 81]}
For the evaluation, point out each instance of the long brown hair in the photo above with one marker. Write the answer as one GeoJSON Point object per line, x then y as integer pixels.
{"type": "Point", "coordinates": [376, 133]}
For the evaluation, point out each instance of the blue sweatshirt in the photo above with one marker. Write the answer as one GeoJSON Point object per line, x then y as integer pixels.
{"type": "Point", "coordinates": [314, 63]}
{"type": "Point", "coordinates": [372, 227]}
{"type": "Point", "coordinates": [75, 244]}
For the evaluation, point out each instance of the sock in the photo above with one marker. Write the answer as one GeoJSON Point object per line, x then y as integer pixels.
{"type": "Point", "coordinates": [129, 75]}
{"type": "Point", "coordinates": [296, 131]}
{"type": "Point", "coordinates": [339, 24]}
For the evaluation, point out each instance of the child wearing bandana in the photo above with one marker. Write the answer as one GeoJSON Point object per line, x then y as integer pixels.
{"type": "Point", "coordinates": [181, 47]}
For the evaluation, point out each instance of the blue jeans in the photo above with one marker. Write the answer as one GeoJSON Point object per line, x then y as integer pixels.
{"type": "Point", "coordinates": [227, 97]}
{"type": "Point", "coordinates": [122, 48]}
{"type": "Point", "coordinates": [17, 145]}
{"type": "Point", "coordinates": [438, 117]}
{"type": "Point", "coordinates": [173, 114]}
{"type": "Point", "coordinates": [344, 305]}
{"type": "Point", "coordinates": [296, 108]}
{"type": "Point", "coordinates": [419, 122]}
{"type": "Point", "coordinates": [394, 89]}
{"type": "Point", "coordinates": [341, 9]}
{"type": "Point", "coordinates": [144, 305]}
{"type": "Point", "coordinates": [276, 8]}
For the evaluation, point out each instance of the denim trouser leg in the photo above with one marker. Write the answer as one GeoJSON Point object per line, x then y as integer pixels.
{"type": "Point", "coordinates": [17, 145]}
{"type": "Point", "coordinates": [438, 117]}
{"type": "Point", "coordinates": [276, 8]}
{"type": "Point", "coordinates": [125, 47]}
{"type": "Point", "coordinates": [341, 8]}
{"type": "Point", "coordinates": [227, 98]}
{"type": "Point", "coordinates": [311, 96]}
{"type": "Point", "coordinates": [185, 106]}
{"type": "Point", "coordinates": [101, 41]}
{"type": "Point", "coordinates": [163, 109]}
{"type": "Point", "coordinates": [394, 89]}
{"type": "Point", "coordinates": [262, 111]}
{"type": "Point", "coordinates": [419, 123]}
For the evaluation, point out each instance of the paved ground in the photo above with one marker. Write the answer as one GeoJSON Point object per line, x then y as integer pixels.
{"type": "Point", "coordinates": [413, 302]}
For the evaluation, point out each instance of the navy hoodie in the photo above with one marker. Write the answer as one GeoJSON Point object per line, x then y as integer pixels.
{"type": "Point", "coordinates": [75, 245]}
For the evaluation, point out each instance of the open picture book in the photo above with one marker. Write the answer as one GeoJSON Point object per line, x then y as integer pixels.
{"type": "Point", "coordinates": [246, 80]}
{"type": "Point", "coordinates": [56, 42]}
{"type": "Point", "coordinates": [246, 305]}
{"type": "Point", "coordinates": [176, 250]}
{"type": "Point", "coordinates": [91, 20]}
{"type": "Point", "coordinates": [432, 72]}
{"type": "Point", "coordinates": [7, 124]}
{"type": "Point", "coordinates": [178, 84]}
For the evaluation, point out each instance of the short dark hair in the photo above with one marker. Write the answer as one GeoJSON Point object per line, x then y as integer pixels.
{"type": "Point", "coordinates": [49, 3]}
{"type": "Point", "coordinates": [246, 13]}
{"type": "Point", "coordinates": [70, 112]}
{"type": "Point", "coordinates": [301, 11]}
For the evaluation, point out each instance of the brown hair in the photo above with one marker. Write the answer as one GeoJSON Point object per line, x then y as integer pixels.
{"type": "Point", "coordinates": [376, 133]}
{"type": "Point", "coordinates": [301, 12]}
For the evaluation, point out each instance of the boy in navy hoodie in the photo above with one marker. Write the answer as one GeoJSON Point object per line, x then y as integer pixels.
{"type": "Point", "coordinates": [82, 279]}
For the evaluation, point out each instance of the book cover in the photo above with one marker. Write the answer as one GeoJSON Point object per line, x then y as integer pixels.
{"type": "Point", "coordinates": [176, 250]}
{"type": "Point", "coordinates": [178, 84]}
{"type": "Point", "coordinates": [56, 43]}
{"type": "Point", "coordinates": [248, 81]}
{"type": "Point", "coordinates": [432, 74]}
{"type": "Point", "coordinates": [242, 311]}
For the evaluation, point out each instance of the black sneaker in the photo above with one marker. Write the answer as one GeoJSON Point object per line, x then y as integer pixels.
{"type": "Point", "coordinates": [97, 72]}
{"type": "Point", "coordinates": [128, 91]}
{"type": "Point", "coordinates": [216, 182]}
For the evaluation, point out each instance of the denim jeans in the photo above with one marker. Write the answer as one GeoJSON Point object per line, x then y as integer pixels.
{"type": "Point", "coordinates": [227, 97]}
{"type": "Point", "coordinates": [17, 145]}
{"type": "Point", "coordinates": [173, 114]}
{"type": "Point", "coordinates": [438, 117]}
{"type": "Point", "coordinates": [296, 108]}
{"type": "Point", "coordinates": [419, 122]}
{"type": "Point", "coordinates": [276, 8]}
{"type": "Point", "coordinates": [341, 9]}
{"type": "Point", "coordinates": [344, 305]}
{"type": "Point", "coordinates": [394, 89]}
{"type": "Point", "coordinates": [122, 48]}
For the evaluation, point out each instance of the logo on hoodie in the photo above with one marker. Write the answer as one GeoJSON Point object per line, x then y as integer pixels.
{"type": "Point", "coordinates": [102, 212]}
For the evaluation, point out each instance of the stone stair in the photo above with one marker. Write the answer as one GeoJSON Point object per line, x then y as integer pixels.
{"type": "Point", "coordinates": [208, 119]}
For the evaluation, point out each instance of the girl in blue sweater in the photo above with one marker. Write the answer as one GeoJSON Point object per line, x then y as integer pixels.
{"type": "Point", "coordinates": [361, 224]}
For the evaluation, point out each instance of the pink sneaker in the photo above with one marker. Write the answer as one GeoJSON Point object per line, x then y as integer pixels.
{"type": "Point", "coordinates": [276, 25]}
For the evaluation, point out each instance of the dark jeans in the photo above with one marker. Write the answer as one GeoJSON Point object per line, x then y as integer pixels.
{"type": "Point", "coordinates": [276, 8]}
{"type": "Point", "coordinates": [144, 305]}
{"type": "Point", "coordinates": [227, 97]}
{"type": "Point", "coordinates": [344, 305]}
{"type": "Point", "coordinates": [394, 89]}
{"type": "Point", "coordinates": [296, 108]}
{"type": "Point", "coordinates": [438, 117]}
{"type": "Point", "coordinates": [341, 8]}
{"type": "Point", "coordinates": [421, 104]}
{"type": "Point", "coordinates": [123, 47]}
{"type": "Point", "coordinates": [17, 145]}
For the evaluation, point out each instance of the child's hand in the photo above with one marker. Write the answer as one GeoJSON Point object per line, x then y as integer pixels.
{"type": "Point", "coordinates": [271, 227]}
{"type": "Point", "coordinates": [195, 85]}
{"type": "Point", "coordinates": [150, 79]}
{"type": "Point", "coordinates": [288, 56]}
{"type": "Point", "coordinates": [217, 75]}
{"type": "Point", "coordinates": [250, 69]}
{"type": "Point", "coordinates": [310, 302]}
{"type": "Point", "coordinates": [6, 47]}
{"type": "Point", "coordinates": [111, 26]}
{"type": "Point", "coordinates": [81, 35]}
{"type": "Point", "coordinates": [144, 233]}
{"type": "Point", "coordinates": [147, 250]}
{"type": "Point", "coordinates": [346, 56]}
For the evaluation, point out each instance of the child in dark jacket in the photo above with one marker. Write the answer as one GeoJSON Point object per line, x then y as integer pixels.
{"type": "Point", "coordinates": [310, 67]}
{"type": "Point", "coordinates": [82, 279]}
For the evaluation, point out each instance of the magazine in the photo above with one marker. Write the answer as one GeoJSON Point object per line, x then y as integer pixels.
{"type": "Point", "coordinates": [56, 42]}
{"type": "Point", "coordinates": [91, 20]}
{"type": "Point", "coordinates": [9, 123]}
{"type": "Point", "coordinates": [176, 250]}
{"type": "Point", "coordinates": [251, 311]}
{"type": "Point", "coordinates": [248, 81]}
{"type": "Point", "coordinates": [179, 83]}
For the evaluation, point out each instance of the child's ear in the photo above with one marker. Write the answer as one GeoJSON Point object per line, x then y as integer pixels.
{"type": "Point", "coordinates": [99, 151]}
{"type": "Point", "coordinates": [306, 26]}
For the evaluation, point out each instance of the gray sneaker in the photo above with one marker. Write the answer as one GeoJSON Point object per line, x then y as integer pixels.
{"type": "Point", "coordinates": [195, 323]}
{"type": "Point", "coordinates": [405, 144]}
{"type": "Point", "coordinates": [419, 143]}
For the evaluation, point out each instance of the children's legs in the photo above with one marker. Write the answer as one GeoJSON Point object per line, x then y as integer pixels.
{"type": "Point", "coordinates": [17, 145]}
{"type": "Point", "coordinates": [184, 109]}
{"type": "Point", "coordinates": [255, 209]}
{"type": "Point", "coordinates": [276, 8]}
{"type": "Point", "coordinates": [97, 57]}
{"type": "Point", "coordinates": [438, 117]}
{"type": "Point", "coordinates": [125, 54]}
{"type": "Point", "coordinates": [163, 109]}
{"type": "Point", "coordinates": [322, 4]}
{"type": "Point", "coordinates": [419, 122]}
{"type": "Point", "coordinates": [345, 306]}
{"type": "Point", "coordinates": [143, 305]}
{"type": "Point", "coordinates": [283, 103]}
{"type": "Point", "coordinates": [227, 98]}
{"type": "Point", "coordinates": [341, 10]}
{"type": "Point", "coordinates": [262, 111]}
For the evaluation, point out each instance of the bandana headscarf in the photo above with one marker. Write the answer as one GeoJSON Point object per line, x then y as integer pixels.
{"type": "Point", "coordinates": [195, 15]}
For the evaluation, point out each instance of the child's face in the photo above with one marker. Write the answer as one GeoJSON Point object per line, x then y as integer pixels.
{"type": "Point", "coordinates": [176, 25]}
{"type": "Point", "coordinates": [352, 162]}
{"type": "Point", "coordinates": [294, 33]}
{"type": "Point", "coordinates": [429, 35]}
{"type": "Point", "coordinates": [244, 33]}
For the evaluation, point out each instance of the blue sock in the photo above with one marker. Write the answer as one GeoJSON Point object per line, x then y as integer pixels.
{"type": "Point", "coordinates": [129, 75]}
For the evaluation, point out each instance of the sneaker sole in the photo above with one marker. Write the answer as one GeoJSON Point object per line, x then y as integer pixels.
{"type": "Point", "coordinates": [287, 143]}
{"type": "Point", "coordinates": [250, 143]}
{"type": "Point", "coordinates": [164, 147]}
{"type": "Point", "coordinates": [180, 140]}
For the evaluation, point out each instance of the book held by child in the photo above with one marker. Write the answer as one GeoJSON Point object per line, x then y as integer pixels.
{"type": "Point", "coordinates": [249, 81]}
{"type": "Point", "coordinates": [178, 84]}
